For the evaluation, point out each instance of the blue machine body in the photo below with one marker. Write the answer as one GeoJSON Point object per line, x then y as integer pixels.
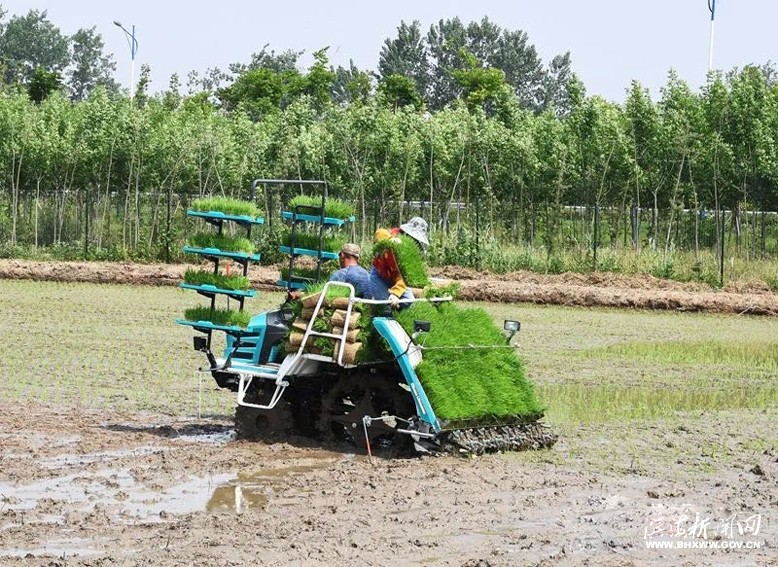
{"type": "Point", "coordinates": [423, 407]}
{"type": "Point", "coordinates": [257, 348]}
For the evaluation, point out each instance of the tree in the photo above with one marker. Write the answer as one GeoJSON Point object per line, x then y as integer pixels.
{"type": "Point", "coordinates": [351, 85]}
{"type": "Point", "coordinates": [479, 85]}
{"type": "Point", "coordinates": [141, 89]}
{"type": "Point", "coordinates": [405, 55]}
{"type": "Point", "coordinates": [319, 80]}
{"type": "Point", "coordinates": [398, 91]}
{"type": "Point", "coordinates": [280, 63]}
{"type": "Point", "coordinates": [445, 41]}
{"type": "Point", "coordinates": [509, 51]}
{"type": "Point", "coordinates": [556, 82]}
{"type": "Point", "coordinates": [89, 65]}
{"type": "Point", "coordinates": [31, 42]}
{"type": "Point", "coordinates": [522, 66]}
{"type": "Point", "coordinates": [42, 84]}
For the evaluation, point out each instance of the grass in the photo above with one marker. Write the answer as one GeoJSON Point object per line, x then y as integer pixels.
{"type": "Point", "coordinates": [228, 317]}
{"type": "Point", "coordinates": [202, 277]}
{"type": "Point", "coordinates": [226, 205]}
{"type": "Point", "coordinates": [606, 365]}
{"type": "Point", "coordinates": [757, 355]}
{"type": "Point", "coordinates": [409, 260]}
{"type": "Point", "coordinates": [469, 384]}
{"type": "Point", "coordinates": [222, 242]}
{"type": "Point", "coordinates": [334, 208]}
{"type": "Point", "coordinates": [677, 265]}
{"type": "Point", "coordinates": [332, 242]}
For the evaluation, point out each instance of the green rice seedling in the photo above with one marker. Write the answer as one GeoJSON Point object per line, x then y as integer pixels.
{"type": "Point", "coordinates": [203, 277]}
{"type": "Point", "coordinates": [449, 290]}
{"type": "Point", "coordinates": [334, 208]}
{"type": "Point", "coordinates": [222, 242]}
{"type": "Point", "coordinates": [409, 259]}
{"type": "Point", "coordinates": [228, 317]}
{"type": "Point", "coordinates": [307, 273]}
{"type": "Point", "coordinates": [225, 205]}
{"type": "Point", "coordinates": [331, 243]}
{"type": "Point", "coordinates": [469, 384]}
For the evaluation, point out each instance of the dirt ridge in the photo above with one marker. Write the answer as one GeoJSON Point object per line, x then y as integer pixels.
{"type": "Point", "coordinates": [601, 289]}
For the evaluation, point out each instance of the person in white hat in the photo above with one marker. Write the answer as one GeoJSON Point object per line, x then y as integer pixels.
{"type": "Point", "coordinates": [416, 228]}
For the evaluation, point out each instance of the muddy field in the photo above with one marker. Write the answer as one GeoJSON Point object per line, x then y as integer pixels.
{"type": "Point", "coordinates": [588, 290]}
{"type": "Point", "coordinates": [99, 488]}
{"type": "Point", "coordinates": [104, 460]}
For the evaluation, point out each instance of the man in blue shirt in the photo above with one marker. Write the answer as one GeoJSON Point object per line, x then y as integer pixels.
{"type": "Point", "coordinates": [351, 272]}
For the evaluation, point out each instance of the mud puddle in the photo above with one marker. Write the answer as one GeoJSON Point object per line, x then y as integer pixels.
{"type": "Point", "coordinates": [120, 495]}
{"type": "Point", "coordinates": [214, 434]}
{"type": "Point", "coordinates": [250, 490]}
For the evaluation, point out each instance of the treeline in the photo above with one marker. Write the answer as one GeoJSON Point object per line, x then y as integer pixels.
{"type": "Point", "coordinates": [487, 154]}
{"type": "Point", "coordinates": [707, 151]}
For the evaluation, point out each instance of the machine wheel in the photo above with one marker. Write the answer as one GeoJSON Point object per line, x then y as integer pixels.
{"type": "Point", "coordinates": [357, 395]}
{"type": "Point", "coordinates": [270, 426]}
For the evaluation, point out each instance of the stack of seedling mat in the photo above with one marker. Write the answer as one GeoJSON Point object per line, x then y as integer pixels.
{"type": "Point", "coordinates": [471, 376]}
{"type": "Point", "coordinates": [314, 234]}
{"type": "Point", "coordinates": [332, 318]}
{"type": "Point", "coordinates": [221, 245]}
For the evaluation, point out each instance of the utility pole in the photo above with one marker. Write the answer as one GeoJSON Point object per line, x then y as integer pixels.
{"type": "Point", "coordinates": [133, 43]}
{"type": "Point", "coordinates": [712, 10]}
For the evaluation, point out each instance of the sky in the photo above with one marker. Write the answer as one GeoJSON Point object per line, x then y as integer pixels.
{"type": "Point", "coordinates": [612, 42]}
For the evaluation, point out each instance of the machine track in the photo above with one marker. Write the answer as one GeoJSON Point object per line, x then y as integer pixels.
{"type": "Point", "coordinates": [479, 440]}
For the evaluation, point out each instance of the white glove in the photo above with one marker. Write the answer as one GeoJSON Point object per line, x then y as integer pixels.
{"type": "Point", "coordinates": [394, 301]}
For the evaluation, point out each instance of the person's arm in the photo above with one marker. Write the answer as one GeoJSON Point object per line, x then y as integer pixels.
{"type": "Point", "coordinates": [399, 286]}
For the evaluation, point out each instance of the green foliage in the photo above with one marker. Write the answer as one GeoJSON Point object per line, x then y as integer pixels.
{"type": "Point", "coordinates": [260, 91]}
{"type": "Point", "coordinates": [409, 260]}
{"type": "Point", "coordinates": [90, 67]}
{"type": "Point", "coordinates": [449, 290]}
{"type": "Point", "coordinates": [225, 205]}
{"type": "Point", "coordinates": [334, 208]}
{"type": "Point", "coordinates": [479, 84]}
{"type": "Point", "coordinates": [223, 242]}
{"type": "Point", "coordinates": [31, 42]}
{"type": "Point", "coordinates": [204, 277]}
{"type": "Point", "coordinates": [42, 84]}
{"type": "Point", "coordinates": [398, 91]}
{"type": "Point", "coordinates": [227, 317]}
{"type": "Point", "coordinates": [310, 241]}
{"type": "Point", "coordinates": [466, 384]}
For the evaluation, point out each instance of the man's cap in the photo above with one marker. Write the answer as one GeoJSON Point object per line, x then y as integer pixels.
{"type": "Point", "coordinates": [416, 228]}
{"type": "Point", "coordinates": [351, 249]}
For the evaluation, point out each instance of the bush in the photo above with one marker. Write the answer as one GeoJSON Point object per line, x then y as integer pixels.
{"type": "Point", "coordinates": [663, 269]}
